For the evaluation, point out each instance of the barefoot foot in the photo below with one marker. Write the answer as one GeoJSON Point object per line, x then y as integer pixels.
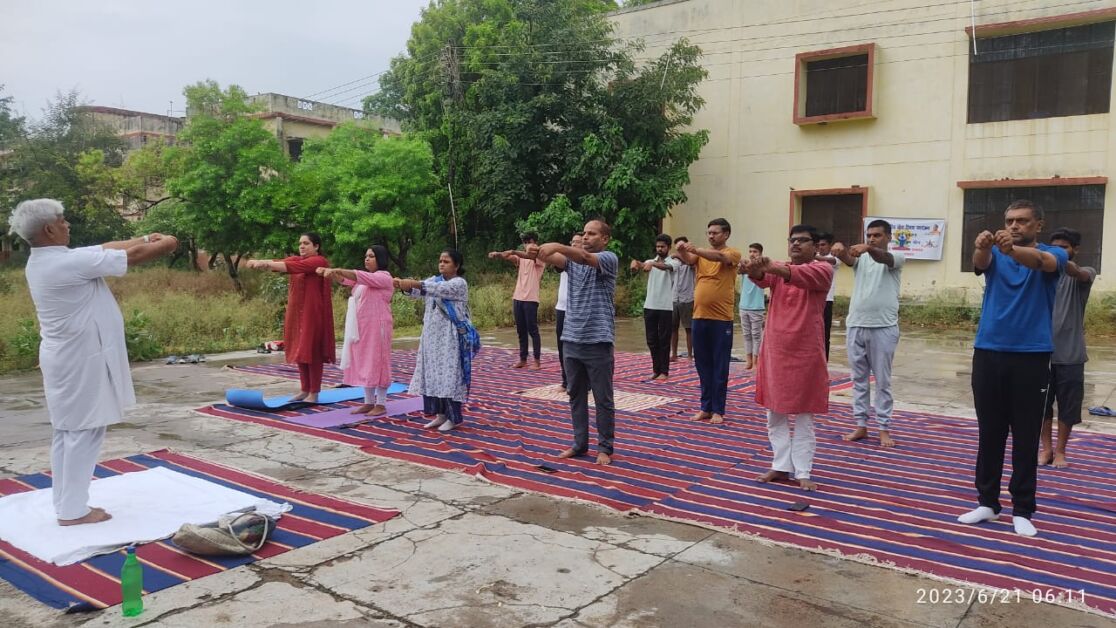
{"type": "Point", "coordinates": [885, 439]}
{"type": "Point", "coordinates": [300, 396]}
{"type": "Point", "coordinates": [773, 476]}
{"type": "Point", "coordinates": [1060, 461]}
{"type": "Point", "coordinates": [95, 515]}
{"type": "Point", "coordinates": [807, 484]}
{"type": "Point", "coordinates": [364, 409]}
{"type": "Point", "coordinates": [603, 458]}
{"type": "Point", "coordinates": [701, 416]}
{"type": "Point", "coordinates": [520, 364]}
{"type": "Point", "coordinates": [377, 410]}
{"type": "Point", "coordinates": [858, 434]}
{"type": "Point", "coordinates": [570, 453]}
{"type": "Point", "coordinates": [716, 419]}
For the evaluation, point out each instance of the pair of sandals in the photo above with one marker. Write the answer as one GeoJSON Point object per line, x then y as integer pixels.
{"type": "Point", "coordinates": [194, 358]}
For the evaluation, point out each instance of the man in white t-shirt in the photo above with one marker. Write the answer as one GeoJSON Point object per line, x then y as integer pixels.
{"type": "Point", "coordinates": [825, 243]}
{"type": "Point", "coordinates": [83, 357]}
{"type": "Point", "coordinates": [560, 308]}
{"type": "Point", "coordinates": [872, 325]}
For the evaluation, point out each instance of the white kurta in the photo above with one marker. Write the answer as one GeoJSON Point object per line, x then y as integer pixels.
{"type": "Point", "coordinates": [83, 356]}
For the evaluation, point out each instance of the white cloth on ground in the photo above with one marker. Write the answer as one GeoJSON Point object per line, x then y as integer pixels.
{"type": "Point", "coordinates": [73, 457]}
{"type": "Point", "coordinates": [82, 355]}
{"type": "Point", "coordinates": [792, 454]}
{"type": "Point", "coordinates": [145, 506]}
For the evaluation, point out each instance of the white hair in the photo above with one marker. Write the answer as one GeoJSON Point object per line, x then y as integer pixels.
{"type": "Point", "coordinates": [30, 217]}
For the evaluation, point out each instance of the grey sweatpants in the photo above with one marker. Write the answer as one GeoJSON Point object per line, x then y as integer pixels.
{"type": "Point", "coordinates": [871, 350]}
{"type": "Point", "coordinates": [751, 324]}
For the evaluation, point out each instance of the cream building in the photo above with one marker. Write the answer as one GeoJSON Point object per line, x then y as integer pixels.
{"type": "Point", "coordinates": [827, 111]}
{"type": "Point", "coordinates": [293, 120]}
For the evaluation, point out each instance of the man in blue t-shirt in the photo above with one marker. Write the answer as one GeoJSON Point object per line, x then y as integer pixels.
{"type": "Point", "coordinates": [1011, 359]}
{"type": "Point", "coordinates": [588, 333]}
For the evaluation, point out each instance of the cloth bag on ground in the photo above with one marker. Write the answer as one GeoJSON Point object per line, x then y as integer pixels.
{"type": "Point", "coordinates": [234, 534]}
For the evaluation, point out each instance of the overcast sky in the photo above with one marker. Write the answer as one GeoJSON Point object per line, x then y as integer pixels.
{"type": "Point", "coordinates": [139, 54]}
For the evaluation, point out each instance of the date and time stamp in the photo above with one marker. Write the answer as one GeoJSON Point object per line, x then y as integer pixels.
{"type": "Point", "coordinates": [966, 596]}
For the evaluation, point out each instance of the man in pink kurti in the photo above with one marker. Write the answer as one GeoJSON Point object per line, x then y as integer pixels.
{"type": "Point", "coordinates": [792, 380]}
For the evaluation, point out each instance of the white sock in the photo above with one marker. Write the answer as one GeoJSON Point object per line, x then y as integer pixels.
{"type": "Point", "coordinates": [982, 513]}
{"type": "Point", "coordinates": [438, 421]}
{"type": "Point", "coordinates": [1023, 526]}
{"type": "Point", "coordinates": [447, 426]}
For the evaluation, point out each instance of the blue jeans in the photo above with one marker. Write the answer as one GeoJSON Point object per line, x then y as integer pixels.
{"type": "Point", "coordinates": [712, 350]}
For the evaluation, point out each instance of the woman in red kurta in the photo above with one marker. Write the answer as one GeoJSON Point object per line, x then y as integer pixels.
{"type": "Point", "coordinates": [308, 338]}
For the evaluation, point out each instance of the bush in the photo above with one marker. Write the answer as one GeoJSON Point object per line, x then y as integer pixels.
{"type": "Point", "coordinates": [141, 344]}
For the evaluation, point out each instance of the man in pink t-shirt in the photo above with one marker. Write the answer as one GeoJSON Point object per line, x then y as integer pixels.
{"type": "Point", "coordinates": [525, 300]}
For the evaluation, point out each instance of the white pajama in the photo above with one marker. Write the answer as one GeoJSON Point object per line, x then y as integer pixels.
{"type": "Point", "coordinates": [792, 454]}
{"type": "Point", "coordinates": [73, 456]}
{"type": "Point", "coordinates": [377, 395]}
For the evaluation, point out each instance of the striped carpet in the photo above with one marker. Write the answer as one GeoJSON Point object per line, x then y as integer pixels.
{"type": "Point", "coordinates": [93, 584]}
{"type": "Point", "coordinates": [894, 507]}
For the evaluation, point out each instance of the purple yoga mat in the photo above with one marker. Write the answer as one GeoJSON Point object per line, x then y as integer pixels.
{"type": "Point", "coordinates": [345, 416]}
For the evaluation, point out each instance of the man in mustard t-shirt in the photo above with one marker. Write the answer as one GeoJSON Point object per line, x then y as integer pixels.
{"type": "Point", "coordinates": [714, 299]}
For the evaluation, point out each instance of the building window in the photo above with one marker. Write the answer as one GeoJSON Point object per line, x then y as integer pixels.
{"type": "Point", "coordinates": [294, 148]}
{"type": "Point", "coordinates": [833, 85]}
{"type": "Point", "coordinates": [840, 212]}
{"type": "Point", "coordinates": [1045, 74]}
{"type": "Point", "coordinates": [1078, 207]}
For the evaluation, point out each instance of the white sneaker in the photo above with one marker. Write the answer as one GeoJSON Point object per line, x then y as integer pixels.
{"type": "Point", "coordinates": [437, 422]}
{"type": "Point", "coordinates": [447, 426]}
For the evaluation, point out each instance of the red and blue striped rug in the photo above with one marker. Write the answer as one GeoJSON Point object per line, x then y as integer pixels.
{"type": "Point", "coordinates": [893, 507]}
{"type": "Point", "coordinates": [93, 584]}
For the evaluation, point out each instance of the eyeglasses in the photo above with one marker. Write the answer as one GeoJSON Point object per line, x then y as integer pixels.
{"type": "Point", "coordinates": [800, 240]}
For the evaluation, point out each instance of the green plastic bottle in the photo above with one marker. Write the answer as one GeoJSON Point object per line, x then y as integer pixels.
{"type": "Point", "coordinates": [131, 584]}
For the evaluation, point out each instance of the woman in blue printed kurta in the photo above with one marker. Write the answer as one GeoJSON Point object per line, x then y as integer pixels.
{"type": "Point", "coordinates": [441, 376]}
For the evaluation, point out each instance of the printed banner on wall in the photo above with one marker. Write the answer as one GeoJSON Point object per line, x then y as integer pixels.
{"type": "Point", "coordinates": [917, 238]}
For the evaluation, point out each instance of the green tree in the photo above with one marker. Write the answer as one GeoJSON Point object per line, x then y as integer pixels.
{"type": "Point", "coordinates": [358, 189]}
{"type": "Point", "coordinates": [68, 157]}
{"type": "Point", "coordinates": [229, 172]}
{"type": "Point", "coordinates": [531, 106]}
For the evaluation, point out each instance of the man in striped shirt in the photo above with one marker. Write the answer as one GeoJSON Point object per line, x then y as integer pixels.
{"type": "Point", "coordinates": [588, 333]}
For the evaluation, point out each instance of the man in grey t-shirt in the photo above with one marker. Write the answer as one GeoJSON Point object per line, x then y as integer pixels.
{"type": "Point", "coordinates": [683, 303]}
{"type": "Point", "coordinates": [589, 333]}
{"type": "Point", "coordinates": [1067, 363]}
{"type": "Point", "coordinates": [873, 325]}
{"type": "Point", "coordinates": [658, 306]}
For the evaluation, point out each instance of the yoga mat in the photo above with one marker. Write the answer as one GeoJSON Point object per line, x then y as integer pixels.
{"type": "Point", "coordinates": [254, 399]}
{"type": "Point", "coordinates": [92, 584]}
{"type": "Point", "coordinates": [146, 506]}
{"type": "Point", "coordinates": [345, 416]}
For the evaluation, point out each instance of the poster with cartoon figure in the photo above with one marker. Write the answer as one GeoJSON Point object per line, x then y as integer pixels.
{"type": "Point", "coordinates": [917, 238]}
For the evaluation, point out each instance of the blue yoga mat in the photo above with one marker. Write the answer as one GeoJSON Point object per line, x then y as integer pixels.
{"type": "Point", "coordinates": [254, 399]}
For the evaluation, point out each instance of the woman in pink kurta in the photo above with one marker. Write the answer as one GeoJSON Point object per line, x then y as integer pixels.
{"type": "Point", "coordinates": [792, 380]}
{"type": "Point", "coordinates": [366, 353]}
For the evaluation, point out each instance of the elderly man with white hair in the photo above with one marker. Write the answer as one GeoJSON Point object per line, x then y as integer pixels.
{"type": "Point", "coordinates": [83, 356]}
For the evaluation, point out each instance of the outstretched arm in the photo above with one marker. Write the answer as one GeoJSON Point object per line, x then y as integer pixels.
{"type": "Point", "coordinates": [142, 252]}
